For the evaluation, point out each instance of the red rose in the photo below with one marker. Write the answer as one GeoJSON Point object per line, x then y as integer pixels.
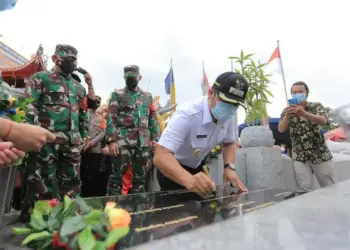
{"type": "Point", "coordinates": [57, 243]}
{"type": "Point", "coordinates": [54, 203]}
{"type": "Point", "coordinates": [111, 247]}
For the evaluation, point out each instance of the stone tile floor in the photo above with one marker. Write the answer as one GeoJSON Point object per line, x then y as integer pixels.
{"type": "Point", "coordinates": [7, 241]}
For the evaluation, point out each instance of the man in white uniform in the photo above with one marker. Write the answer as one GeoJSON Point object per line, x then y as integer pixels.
{"type": "Point", "coordinates": [194, 130]}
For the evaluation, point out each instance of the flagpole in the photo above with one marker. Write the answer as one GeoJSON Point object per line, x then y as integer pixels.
{"type": "Point", "coordinates": [282, 71]}
{"type": "Point", "coordinates": [171, 63]}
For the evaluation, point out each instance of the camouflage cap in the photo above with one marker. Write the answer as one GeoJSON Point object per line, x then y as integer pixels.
{"type": "Point", "coordinates": [131, 71]}
{"type": "Point", "coordinates": [63, 51]}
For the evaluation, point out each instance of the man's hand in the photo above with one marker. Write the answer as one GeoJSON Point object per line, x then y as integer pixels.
{"type": "Point", "coordinates": [8, 154]}
{"type": "Point", "coordinates": [290, 110]}
{"type": "Point", "coordinates": [105, 151]}
{"type": "Point", "coordinates": [201, 184]}
{"type": "Point", "coordinates": [299, 111]}
{"type": "Point", "coordinates": [28, 137]}
{"type": "Point", "coordinates": [231, 176]}
{"type": "Point", "coordinates": [153, 146]}
{"type": "Point", "coordinates": [88, 79]}
{"type": "Point", "coordinates": [113, 148]}
{"type": "Point", "coordinates": [87, 143]}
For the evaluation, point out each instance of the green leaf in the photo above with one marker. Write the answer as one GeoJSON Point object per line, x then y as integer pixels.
{"type": "Point", "coordinates": [115, 235]}
{"type": "Point", "coordinates": [43, 207]}
{"type": "Point", "coordinates": [248, 56]}
{"type": "Point", "coordinates": [100, 245]}
{"type": "Point", "coordinates": [83, 207]}
{"type": "Point", "coordinates": [67, 202]}
{"type": "Point", "coordinates": [57, 210]}
{"type": "Point", "coordinates": [268, 92]}
{"type": "Point", "coordinates": [71, 211]}
{"type": "Point", "coordinates": [44, 244]}
{"type": "Point", "coordinates": [21, 230]}
{"type": "Point", "coordinates": [86, 239]}
{"type": "Point", "coordinates": [53, 224]}
{"type": "Point", "coordinates": [241, 56]}
{"type": "Point", "coordinates": [94, 217]}
{"type": "Point", "coordinates": [100, 229]}
{"type": "Point", "coordinates": [73, 243]}
{"type": "Point", "coordinates": [37, 221]}
{"type": "Point", "coordinates": [72, 225]}
{"type": "Point", "coordinates": [233, 58]}
{"type": "Point", "coordinates": [36, 236]}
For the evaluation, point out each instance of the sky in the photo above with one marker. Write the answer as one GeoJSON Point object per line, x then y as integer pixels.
{"type": "Point", "coordinates": [110, 34]}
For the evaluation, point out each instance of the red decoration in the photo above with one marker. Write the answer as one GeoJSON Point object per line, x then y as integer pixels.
{"type": "Point", "coordinates": [57, 243]}
{"type": "Point", "coordinates": [53, 203]}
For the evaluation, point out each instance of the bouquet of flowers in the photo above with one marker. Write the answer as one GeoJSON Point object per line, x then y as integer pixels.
{"type": "Point", "coordinates": [73, 225]}
{"type": "Point", "coordinates": [13, 105]}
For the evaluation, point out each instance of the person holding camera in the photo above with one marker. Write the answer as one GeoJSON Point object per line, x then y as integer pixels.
{"type": "Point", "coordinates": [305, 120]}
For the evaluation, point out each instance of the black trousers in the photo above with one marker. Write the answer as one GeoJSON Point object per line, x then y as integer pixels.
{"type": "Point", "coordinates": [94, 181]}
{"type": "Point", "coordinates": [167, 184]}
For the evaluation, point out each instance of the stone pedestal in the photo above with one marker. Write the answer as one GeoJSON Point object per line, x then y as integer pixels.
{"type": "Point", "coordinates": [257, 136]}
{"type": "Point", "coordinates": [263, 167]}
{"type": "Point", "coordinates": [216, 167]}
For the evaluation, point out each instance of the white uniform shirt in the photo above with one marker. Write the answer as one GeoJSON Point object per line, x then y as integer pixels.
{"type": "Point", "coordinates": [191, 133]}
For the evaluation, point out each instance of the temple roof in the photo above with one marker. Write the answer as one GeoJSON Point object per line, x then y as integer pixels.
{"type": "Point", "coordinates": [25, 70]}
{"type": "Point", "coordinates": [14, 66]}
{"type": "Point", "coordinates": [9, 58]}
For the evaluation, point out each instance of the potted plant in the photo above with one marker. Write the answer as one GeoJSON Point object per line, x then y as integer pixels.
{"type": "Point", "coordinates": [257, 97]}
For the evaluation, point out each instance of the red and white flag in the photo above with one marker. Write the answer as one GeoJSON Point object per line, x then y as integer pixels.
{"type": "Point", "coordinates": [278, 85]}
{"type": "Point", "coordinates": [274, 64]}
{"type": "Point", "coordinates": [205, 83]}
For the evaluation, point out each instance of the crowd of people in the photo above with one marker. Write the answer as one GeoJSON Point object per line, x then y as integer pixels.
{"type": "Point", "coordinates": [78, 146]}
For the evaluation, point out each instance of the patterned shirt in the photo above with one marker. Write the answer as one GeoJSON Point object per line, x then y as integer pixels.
{"type": "Point", "coordinates": [96, 128]}
{"type": "Point", "coordinates": [130, 120]}
{"type": "Point", "coordinates": [307, 138]}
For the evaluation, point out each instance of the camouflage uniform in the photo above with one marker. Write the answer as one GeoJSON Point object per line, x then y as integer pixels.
{"type": "Point", "coordinates": [132, 124]}
{"type": "Point", "coordinates": [54, 171]}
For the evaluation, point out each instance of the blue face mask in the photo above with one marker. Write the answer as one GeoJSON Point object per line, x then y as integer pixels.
{"type": "Point", "coordinates": [224, 111]}
{"type": "Point", "coordinates": [7, 4]}
{"type": "Point", "coordinates": [301, 97]}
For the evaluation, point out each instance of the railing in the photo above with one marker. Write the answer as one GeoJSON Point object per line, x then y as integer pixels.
{"type": "Point", "coordinates": [7, 184]}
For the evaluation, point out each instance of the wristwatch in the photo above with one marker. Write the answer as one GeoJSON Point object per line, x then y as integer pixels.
{"type": "Point", "coordinates": [231, 166]}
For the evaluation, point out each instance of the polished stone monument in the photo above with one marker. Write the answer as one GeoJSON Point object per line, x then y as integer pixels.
{"type": "Point", "coordinates": [162, 214]}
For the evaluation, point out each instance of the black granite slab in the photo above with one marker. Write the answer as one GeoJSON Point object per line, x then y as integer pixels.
{"type": "Point", "coordinates": [162, 214]}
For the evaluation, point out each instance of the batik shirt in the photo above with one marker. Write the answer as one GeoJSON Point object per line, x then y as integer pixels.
{"type": "Point", "coordinates": [307, 137]}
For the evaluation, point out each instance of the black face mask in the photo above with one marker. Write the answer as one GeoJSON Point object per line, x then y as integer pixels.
{"type": "Point", "coordinates": [131, 83]}
{"type": "Point", "coordinates": [67, 66]}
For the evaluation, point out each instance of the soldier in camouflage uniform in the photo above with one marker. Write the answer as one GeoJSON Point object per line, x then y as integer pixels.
{"type": "Point", "coordinates": [54, 171]}
{"type": "Point", "coordinates": [131, 128]}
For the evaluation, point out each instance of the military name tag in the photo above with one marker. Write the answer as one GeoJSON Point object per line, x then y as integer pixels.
{"type": "Point", "coordinates": [201, 136]}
